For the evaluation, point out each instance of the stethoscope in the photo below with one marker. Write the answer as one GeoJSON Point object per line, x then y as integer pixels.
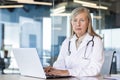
{"type": "Point", "coordinates": [91, 41]}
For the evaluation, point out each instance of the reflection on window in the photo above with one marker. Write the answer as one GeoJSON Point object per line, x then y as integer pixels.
{"type": "Point", "coordinates": [46, 41]}
{"type": "Point", "coordinates": [32, 41]}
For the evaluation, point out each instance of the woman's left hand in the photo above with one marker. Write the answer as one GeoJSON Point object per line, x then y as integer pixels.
{"type": "Point", "coordinates": [59, 72]}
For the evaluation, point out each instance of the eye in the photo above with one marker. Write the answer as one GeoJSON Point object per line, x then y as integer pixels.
{"type": "Point", "coordinates": [81, 20]}
{"type": "Point", "coordinates": [74, 20]}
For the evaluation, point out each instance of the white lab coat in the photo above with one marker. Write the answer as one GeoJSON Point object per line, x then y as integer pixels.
{"type": "Point", "coordinates": [76, 63]}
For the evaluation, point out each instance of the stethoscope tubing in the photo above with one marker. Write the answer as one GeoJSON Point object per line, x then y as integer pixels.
{"type": "Point", "coordinates": [92, 40]}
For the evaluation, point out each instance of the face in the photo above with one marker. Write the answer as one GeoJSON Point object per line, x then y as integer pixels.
{"type": "Point", "coordinates": [80, 24]}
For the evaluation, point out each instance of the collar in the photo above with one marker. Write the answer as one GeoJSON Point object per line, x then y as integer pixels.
{"type": "Point", "coordinates": [87, 37]}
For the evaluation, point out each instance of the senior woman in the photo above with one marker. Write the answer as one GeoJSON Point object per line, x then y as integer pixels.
{"type": "Point", "coordinates": [82, 53]}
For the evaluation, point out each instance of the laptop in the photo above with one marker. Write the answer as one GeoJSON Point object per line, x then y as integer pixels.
{"type": "Point", "coordinates": [29, 63]}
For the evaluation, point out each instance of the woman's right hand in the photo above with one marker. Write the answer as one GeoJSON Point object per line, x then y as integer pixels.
{"type": "Point", "coordinates": [48, 69]}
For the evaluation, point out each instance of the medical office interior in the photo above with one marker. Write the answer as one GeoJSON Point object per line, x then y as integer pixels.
{"type": "Point", "coordinates": [44, 24]}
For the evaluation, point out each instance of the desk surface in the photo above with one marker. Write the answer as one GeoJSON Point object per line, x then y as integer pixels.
{"type": "Point", "coordinates": [19, 77]}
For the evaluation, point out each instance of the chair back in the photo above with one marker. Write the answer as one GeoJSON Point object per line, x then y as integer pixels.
{"type": "Point", "coordinates": [108, 59]}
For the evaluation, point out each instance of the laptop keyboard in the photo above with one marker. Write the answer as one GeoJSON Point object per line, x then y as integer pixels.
{"type": "Point", "coordinates": [54, 77]}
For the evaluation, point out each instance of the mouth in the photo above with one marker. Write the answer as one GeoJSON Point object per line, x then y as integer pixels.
{"type": "Point", "coordinates": [78, 29]}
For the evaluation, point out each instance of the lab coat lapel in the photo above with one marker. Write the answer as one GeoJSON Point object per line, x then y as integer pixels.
{"type": "Point", "coordinates": [85, 41]}
{"type": "Point", "coordinates": [73, 47]}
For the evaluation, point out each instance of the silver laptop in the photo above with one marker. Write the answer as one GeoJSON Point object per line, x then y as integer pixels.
{"type": "Point", "coordinates": [29, 63]}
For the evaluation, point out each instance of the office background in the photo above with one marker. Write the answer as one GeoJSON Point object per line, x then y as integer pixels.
{"type": "Point", "coordinates": [45, 27]}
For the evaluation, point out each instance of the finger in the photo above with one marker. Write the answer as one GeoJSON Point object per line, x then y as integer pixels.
{"type": "Point", "coordinates": [48, 69]}
{"type": "Point", "coordinates": [54, 72]}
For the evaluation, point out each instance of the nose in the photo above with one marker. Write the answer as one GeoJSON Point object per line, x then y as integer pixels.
{"type": "Point", "coordinates": [78, 23]}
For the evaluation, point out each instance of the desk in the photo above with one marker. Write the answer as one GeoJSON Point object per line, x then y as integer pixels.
{"type": "Point", "coordinates": [19, 77]}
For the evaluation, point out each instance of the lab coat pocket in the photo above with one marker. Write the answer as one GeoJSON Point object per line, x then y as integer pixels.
{"type": "Point", "coordinates": [85, 62]}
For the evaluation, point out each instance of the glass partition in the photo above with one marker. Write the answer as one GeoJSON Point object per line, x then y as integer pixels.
{"type": "Point", "coordinates": [45, 27]}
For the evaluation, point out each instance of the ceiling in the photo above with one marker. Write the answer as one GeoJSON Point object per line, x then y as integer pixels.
{"type": "Point", "coordinates": [9, 2]}
{"type": "Point", "coordinates": [112, 4]}
{"type": "Point", "coordinates": [14, 2]}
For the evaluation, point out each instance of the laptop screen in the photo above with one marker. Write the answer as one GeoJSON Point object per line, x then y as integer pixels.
{"type": "Point", "coordinates": [28, 62]}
